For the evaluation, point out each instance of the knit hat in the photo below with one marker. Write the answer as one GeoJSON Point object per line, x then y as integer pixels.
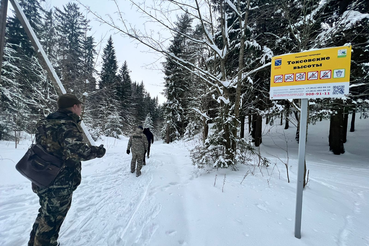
{"type": "Point", "coordinates": [67, 101]}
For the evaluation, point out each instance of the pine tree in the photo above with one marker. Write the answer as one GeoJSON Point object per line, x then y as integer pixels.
{"type": "Point", "coordinates": [124, 91]}
{"type": "Point", "coordinates": [138, 104]}
{"type": "Point", "coordinates": [107, 107]}
{"type": "Point", "coordinates": [148, 122]}
{"type": "Point", "coordinates": [15, 32]}
{"type": "Point", "coordinates": [108, 75]}
{"type": "Point", "coordinates": [88, 64]}
{"type": "Point", "coordinates": [71, 28]}
{"type": "Point", "coordinates": [178, 80]}
{"type": "Point", "coordinates": [48, 37]}
{"type": "Point", "coordinates": [23, 75]}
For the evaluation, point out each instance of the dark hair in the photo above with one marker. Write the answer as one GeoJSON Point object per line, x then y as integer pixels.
{"type": "Point", "coordinates": [67, 101]}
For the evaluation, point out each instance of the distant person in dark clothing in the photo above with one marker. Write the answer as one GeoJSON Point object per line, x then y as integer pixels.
{"type": "Point", "coordinates": [150, 139]}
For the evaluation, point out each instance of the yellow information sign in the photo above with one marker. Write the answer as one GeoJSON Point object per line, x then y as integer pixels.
{"type": "Point", "coordinates": [311, 74]}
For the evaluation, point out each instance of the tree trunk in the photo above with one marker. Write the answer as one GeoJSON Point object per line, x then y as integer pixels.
{"type": "Point", "coordinates": [344, 127]}
{"type": "Point", "coordinates": [3, 14]}
{"type": "Point", "coordinates": [250, 125]}
{"type": "Point", "coordinates": [352, 128]}
{"type": "Point", "coordinates": [297, 137]}
{"type": "Point", "coordinates": [258, 130]}
{"type": "Point", "coordinates": [242, 133]}
{"type": "Point", "coordinates": [282, 118]}
{"type": "Point", "coordinates": [287, 123]}
{"type": "Point", "coordinates": [287, 110]}
{"type": "Point", "coordinates": [336, 133]}
{"type": "Point", "coordinates": [167, 134]}
{"type": "Point", "coordinates": [205, 130]}
{"type": "Point", "coordinates": [239, 77]}
{"type": "Point", "coordinates": [253, 127]}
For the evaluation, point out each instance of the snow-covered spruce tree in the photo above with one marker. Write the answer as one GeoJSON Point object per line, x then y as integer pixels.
{"type": "Point", "coordinates": [106, 110]}
{"type": "Point", "coordinates": [156, 113]}
{"type": "Point", "coordinates": [88, 64]}
{"type": "Point", "coordinates": [71, 26]}
{"type": "Point", "coordinates": [48, 37]}
{"type": "Point", "coordinates": [138, 103]}
{"type": "Point", "coordinates": [75, 54]}
{"type": "Point", "coordinates": [178, 79]}
{"type": "Point", "coordinates": [148, 122]}
{"type": "Point", "coordinates": [10, 93]}
{"type": "Point", "coordinates": [124, 91]}
{"type": "Point", "coordinates": [153, 109]}
{"type": "Point", "coordinates": [27, 90]}
{"type": "Point", "coordinates": [198, 99]}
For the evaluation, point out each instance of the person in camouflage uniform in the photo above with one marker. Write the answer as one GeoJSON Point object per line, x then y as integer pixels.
{"type": "Point", "coordinates": [60, 135]}
{"type": "Point", "coordinates": [138, 144]}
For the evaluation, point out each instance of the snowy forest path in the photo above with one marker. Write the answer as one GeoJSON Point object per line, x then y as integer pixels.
{"type": "Point", "coordinates": [114, 207]}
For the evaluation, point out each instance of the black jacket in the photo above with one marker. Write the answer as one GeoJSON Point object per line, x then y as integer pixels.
{"type": "Point", "coordinates": [149, 135]}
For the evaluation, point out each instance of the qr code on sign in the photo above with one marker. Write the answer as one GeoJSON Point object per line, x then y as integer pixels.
{"type": "Point", "coordinates": [338, 89]}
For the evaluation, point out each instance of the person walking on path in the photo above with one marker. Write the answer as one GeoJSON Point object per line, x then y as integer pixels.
{"type": "Point", "coordinates": [150, 139]}
{"type": "Point", "coordinates": [138, 144]}
{"type": "Point", "coordinates": [60, 135]}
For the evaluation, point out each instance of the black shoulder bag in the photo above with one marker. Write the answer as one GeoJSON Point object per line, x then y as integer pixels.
{"type": "Point", "coordinates": [39, 166]}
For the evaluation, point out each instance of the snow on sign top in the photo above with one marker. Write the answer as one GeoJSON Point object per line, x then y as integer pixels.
{"type": "Point", "coordinates": [311, 74]}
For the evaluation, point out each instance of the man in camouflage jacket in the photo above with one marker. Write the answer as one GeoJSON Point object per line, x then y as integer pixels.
{"type": "Point", "coordinates": [60, 135]}
{"type": "Point", "coordinates": [138, 143]}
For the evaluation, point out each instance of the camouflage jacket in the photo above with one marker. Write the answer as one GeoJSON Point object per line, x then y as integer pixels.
{"type": "Point", "coordinates": [138, 142]}
{"type": "Point", "coordinates": [61, 136]}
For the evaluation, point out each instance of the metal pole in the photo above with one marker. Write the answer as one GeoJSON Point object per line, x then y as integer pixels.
{"type": "Point", "coordinates": [47, 64]}
{"type": "Point", "coordinates": [3, 12]}
{"type": "Point", "coordinates": [301, 163]}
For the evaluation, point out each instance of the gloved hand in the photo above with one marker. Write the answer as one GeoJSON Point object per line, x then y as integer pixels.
{"type": "Point", "coordinates": [128, 151]}
{"type": "Point", "coordinates": [100, 151]}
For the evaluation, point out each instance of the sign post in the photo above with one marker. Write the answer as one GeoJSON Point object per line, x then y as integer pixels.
{"type": "Point", "coordinates": [3, 12]}
{"type": "Point", "coordinates": [323, 73]}
{"type": "Point", "coordinates": [300, 168]}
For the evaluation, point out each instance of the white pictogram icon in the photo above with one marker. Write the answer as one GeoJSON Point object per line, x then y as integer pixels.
{"type": "Point", "coordinates": [312, 75]}
{"type": "Point", "coordinates": [278, 78]}
{"type": "Point", "coordinates": [325, 74]}
{"type": "Point", "coordinates": [289, 77]}
{"type": "Point", "coordinates": [300, 76]}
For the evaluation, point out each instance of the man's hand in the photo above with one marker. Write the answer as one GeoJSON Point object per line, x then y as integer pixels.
{"type": "Point", "coordinates": [128, 151]}
{"type": "Point", "coordinates": [100, 152]}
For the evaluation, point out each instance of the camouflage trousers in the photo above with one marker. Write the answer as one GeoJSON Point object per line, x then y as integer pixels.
{"type": "Point", "coordinates": [53, 210]}
{"type": "Point", "coordinates": [137, 157]}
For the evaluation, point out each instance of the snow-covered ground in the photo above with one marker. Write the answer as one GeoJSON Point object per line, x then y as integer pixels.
{"type": "Point", "coordinates": [173, 203]}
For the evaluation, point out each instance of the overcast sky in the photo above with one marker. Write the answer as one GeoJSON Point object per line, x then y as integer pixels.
{"type": "Point", "coordinates": [144, 65]}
